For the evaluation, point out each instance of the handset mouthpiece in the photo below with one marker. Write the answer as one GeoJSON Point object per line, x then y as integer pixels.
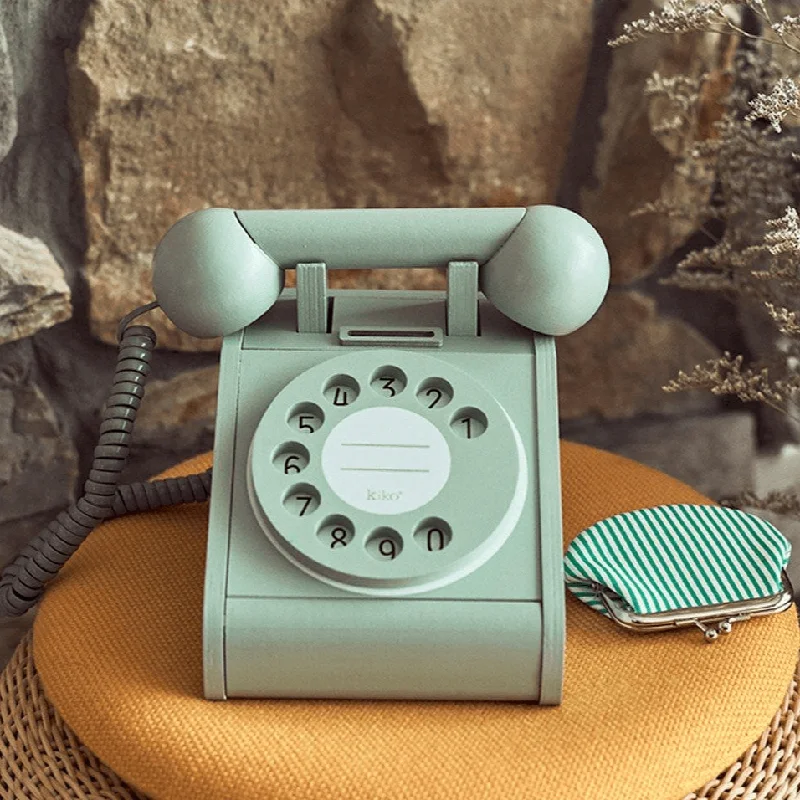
{"type": "Point", "coordinates": [210, 278]}
{"type": "Point", "coordinates": [552, 273]}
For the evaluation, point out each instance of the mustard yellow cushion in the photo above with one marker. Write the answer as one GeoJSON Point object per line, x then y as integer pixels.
{"type": "Point", "coordinates": [118, 645]}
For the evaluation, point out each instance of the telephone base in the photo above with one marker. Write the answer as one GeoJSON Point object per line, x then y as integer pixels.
{"type": "Point", "coordinates": [440, 581]}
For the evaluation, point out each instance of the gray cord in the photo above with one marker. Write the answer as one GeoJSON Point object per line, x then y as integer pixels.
{"type": "Point", "coordinates": [23, 581]}
{"type": "Point", "coordinates": [148, 495]}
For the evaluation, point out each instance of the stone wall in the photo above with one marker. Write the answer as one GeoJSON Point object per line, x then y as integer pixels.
{"type": "Point", "coordinates": [118, 118]}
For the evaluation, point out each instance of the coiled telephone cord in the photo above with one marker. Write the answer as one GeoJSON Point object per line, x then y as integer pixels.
{"type": "Point", "coordinates": [23, 581]}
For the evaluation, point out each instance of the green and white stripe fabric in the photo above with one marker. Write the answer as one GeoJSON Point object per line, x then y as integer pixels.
{"type": "Point", "coordinates": [677, 556]}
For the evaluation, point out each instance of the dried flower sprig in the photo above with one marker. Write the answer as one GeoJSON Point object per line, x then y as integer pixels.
{"type": "Point", "coordinates": [788, 321]}
{"type": "Point", "coordinates": [689, 16]}
{"type": "Point", "coordinates": [784, 99]}
{"type": "Point", "coordinates": [788, 26]}
{"type": "Point", "coordinates": [785, 234]}
{"type": "Point", "coordinates": [682, 93]}
{"type": "Point", "coordinates": [786, 503]}
{"type": "Point", "coordinates": [727, 376]}
{"type": "Point", "coordinates": [677, 16]}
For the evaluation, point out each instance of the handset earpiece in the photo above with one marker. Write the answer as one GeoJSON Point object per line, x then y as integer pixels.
{"type": "Point", "coordinates": [210, 277]}
{"type": "Point", "coordinates": [552, 273]}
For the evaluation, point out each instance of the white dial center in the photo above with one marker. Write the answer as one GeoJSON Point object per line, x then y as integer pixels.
{"type": "Point", "coordinates": [386, 460]}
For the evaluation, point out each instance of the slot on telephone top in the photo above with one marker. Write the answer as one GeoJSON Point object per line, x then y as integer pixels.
{"type": "Point", "coordinates": [390, 336]}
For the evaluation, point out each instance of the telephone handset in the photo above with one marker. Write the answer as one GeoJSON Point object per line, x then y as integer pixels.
{"type": "Point", "coordinates": [385, 511]}
{"type": "Point", "coordinates": [216, 271]}
{"type": "Point", "coordinates": [385, 515]}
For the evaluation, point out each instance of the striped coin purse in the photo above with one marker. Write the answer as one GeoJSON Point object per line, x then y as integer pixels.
{"type": "Point", "coordinates": [675, 565]}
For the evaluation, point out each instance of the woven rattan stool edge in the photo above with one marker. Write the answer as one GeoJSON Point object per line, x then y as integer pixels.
{"type": "Point", "coordinates": [40, 755]}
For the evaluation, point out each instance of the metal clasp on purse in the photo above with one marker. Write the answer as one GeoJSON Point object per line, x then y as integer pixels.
{"type": "Point", "coordinates": [712, 620]}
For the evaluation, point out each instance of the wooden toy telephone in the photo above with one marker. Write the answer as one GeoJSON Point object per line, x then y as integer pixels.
{"type": "Point", "coordinates": [385, 515]}
{"type": "Point", "coordinates": [385, 511]}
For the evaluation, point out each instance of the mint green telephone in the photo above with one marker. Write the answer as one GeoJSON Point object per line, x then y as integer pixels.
{"type": "Point", "coordinates": [385, 513]}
